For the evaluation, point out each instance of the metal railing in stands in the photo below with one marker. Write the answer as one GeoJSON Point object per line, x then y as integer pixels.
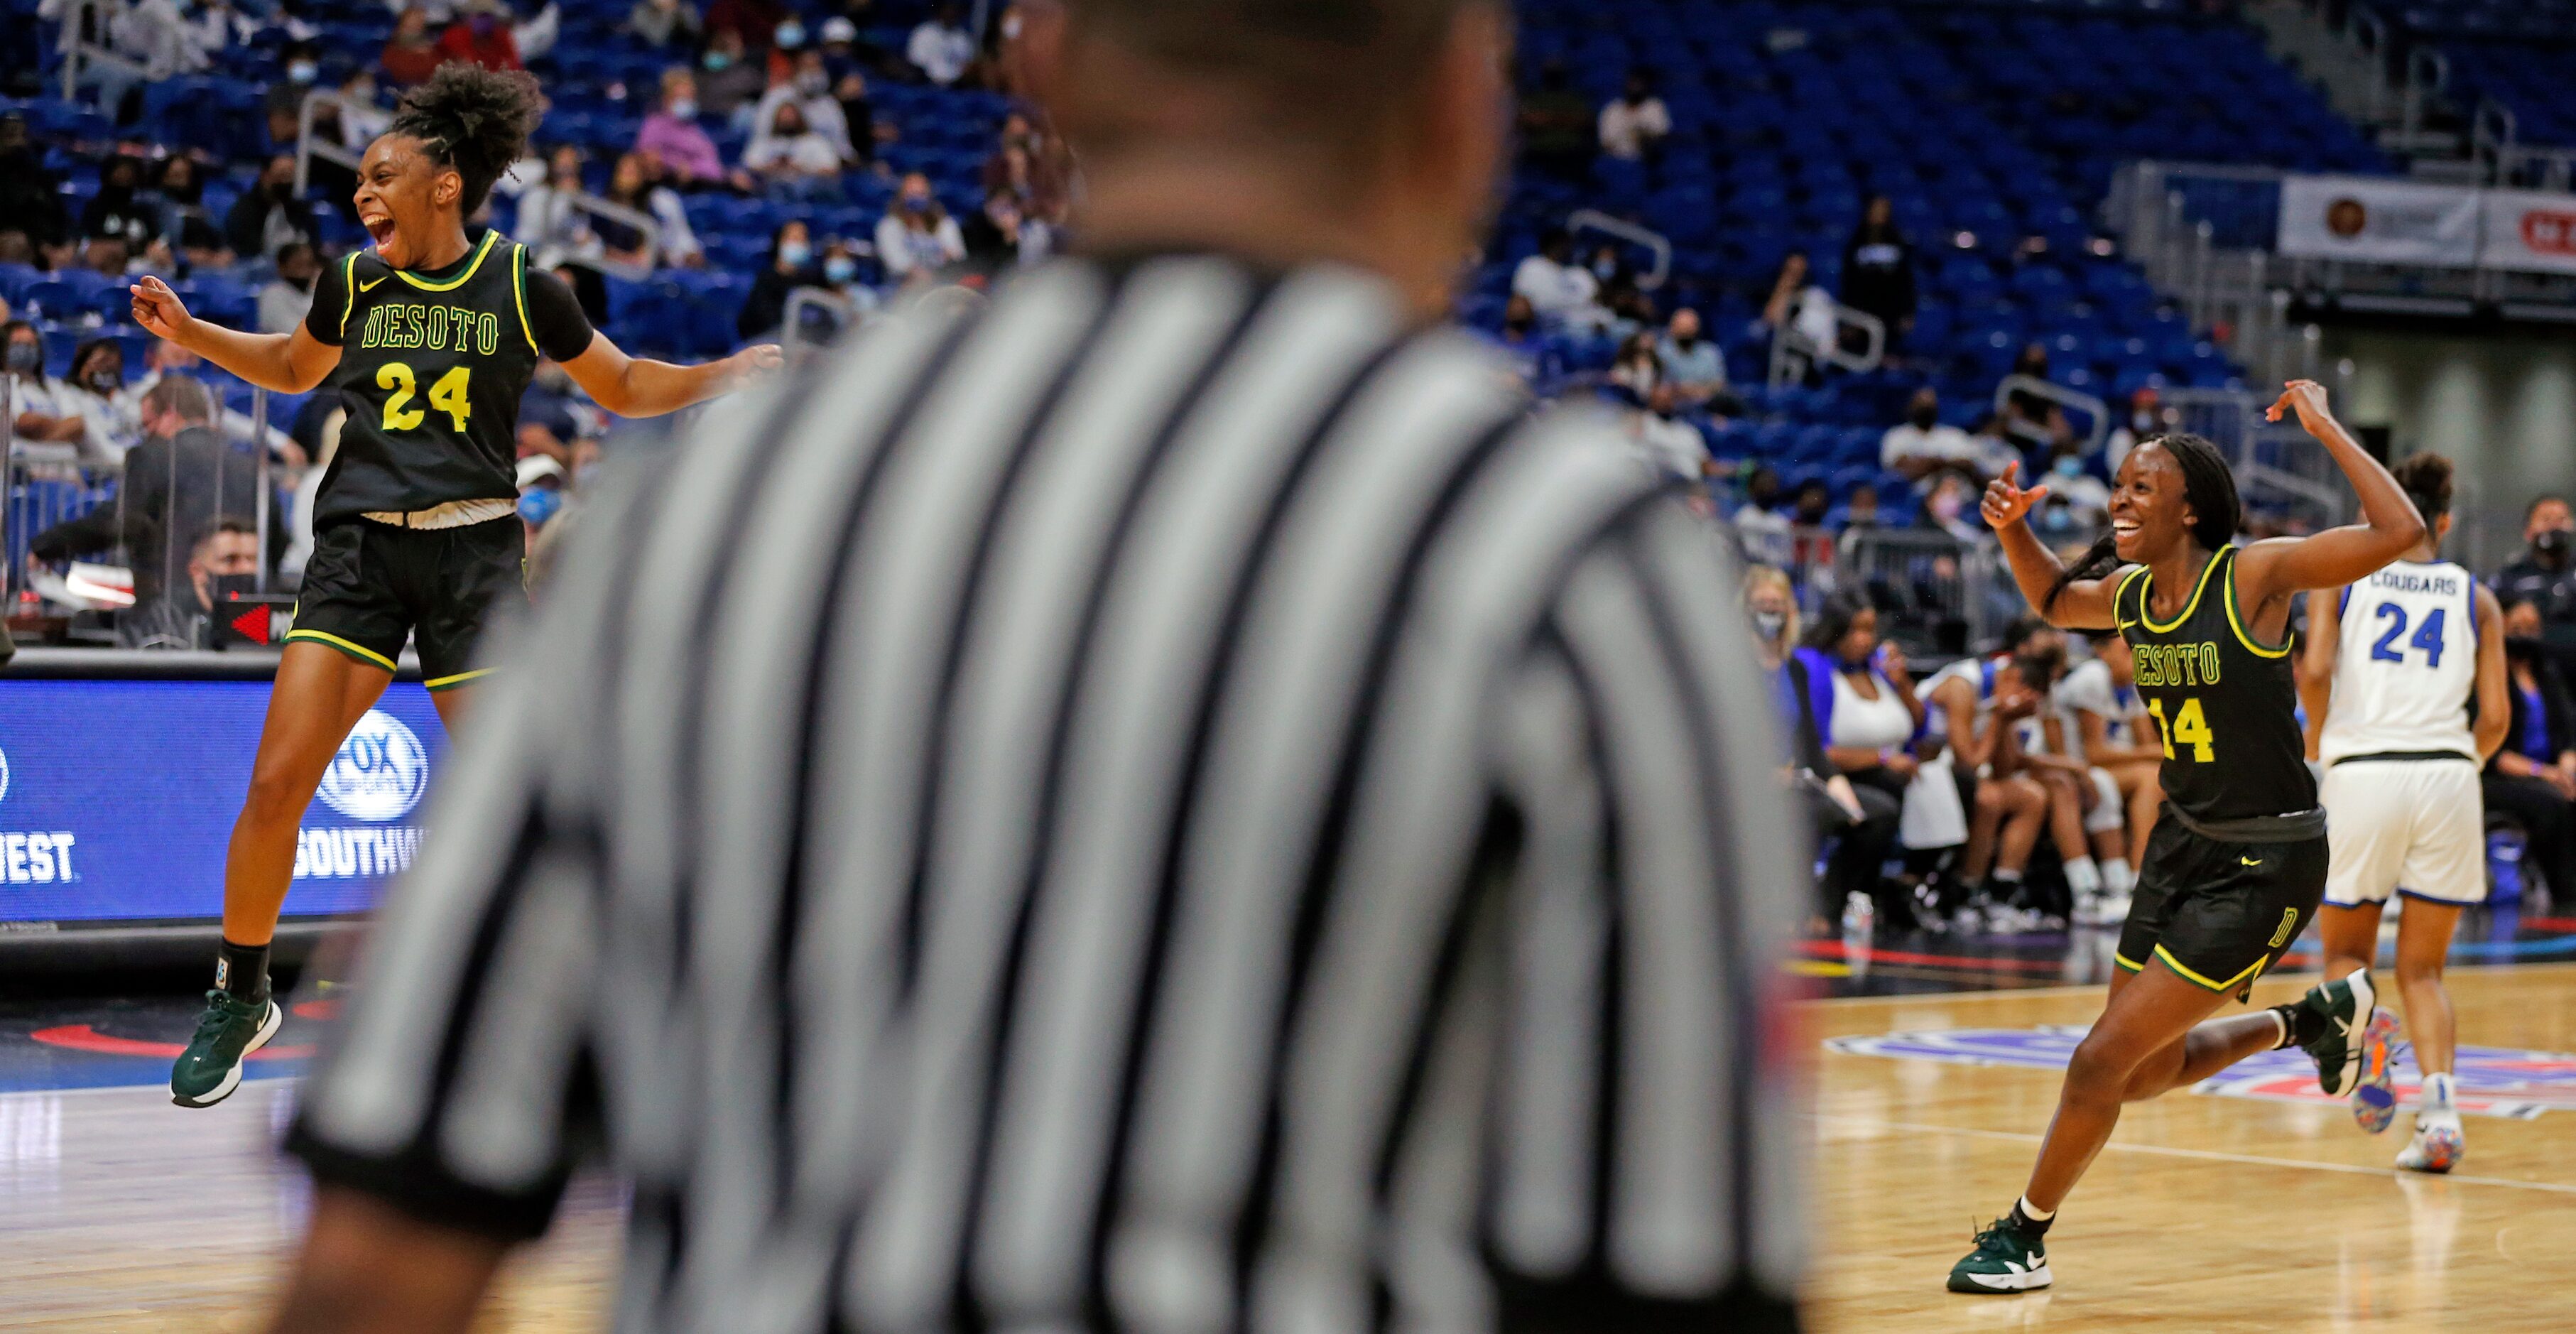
{"type": "Point", "coordinates": [792, 340]}
{"type": "Point", "coordinates": [2278, 466]}
{"type": "Point", "coordinates": [2495, 145]}
{"type": "Point", "coordinates": [78, 51]}
{"type": "Point", "coordinates": [1792, 351]}
{"type": "Point", "coordinates": [1645, 238]}
{"type": "Point", "coordinates": [71, 488]}
{"type": "Point", "coordinates": [1936, 595]}
{"type": "Point", "coordinates": [2096, 412]}
{"type": "Point", "coordinates": [309, 147]}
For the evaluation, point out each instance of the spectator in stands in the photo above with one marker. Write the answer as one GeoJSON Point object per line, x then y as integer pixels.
{"type": "Point", "coordinates": [1923, 444]}
{"type": "Point", "coordinates": [551, 222]}
{"type": "Point", "coordinates": [1557, 131]}
{"type": "Point", "coordinates": [1021, 166]}
{"type": "Point", "coordinates": [2031, 422]}
{"type": "Point", "coordinates": [664, 23]}
{"type": "Point", "coordinates": [673, 136]}
{"type": "Point", "coordinates": [940, 47]}
{"type": "Point", "coordinates": [1798, 305]}
{"type": "Point", "coordinates": [843, 276]}
{"type": "Point", "coordinates": [119, 223]}
{"type": "Point", "coordinates": [2532, 777]}
{"type": "Point", "coordinates": [184, 472]}
{"type": "Point", "coordinates": [1636, 369]}
{"type": "Point", "coordinates": [858, 115]}
{"type": "Point", "coordinates": [916, 238]}
{"type": "Point", "coordinates": [1878, 269]}
{"type": "Point", "coordinates": [998, 238]}
{"type": "Point", "coordinates": [2545, 574]}
{"type": "Point", "coordinates": [808, 86]}
{"type": "Point", "coordinates": [2081, 498]}
{"type": "Point", "coordinates": [154, 36]}
{"type": "Point", "coordinates": [269, 214]}
{"type": "Point", "coordinates": [94, 392]}
{"type": "Point", "coordinates": [792, 160]}
{"type": "Point", "coordinates": [1977, 708]}
{"type": "Point", "coordinates": [186, 229]}
{"type": "Point", "coordinates": [791, 265]}
{"type": "Point", "coordinates": [729, 80]}
{"type": "Point", "coordinates": [36, 404]}
{"type": "Point", "coordinates": [1692, 364]}
{"type": "Point", "coordinates": [1561, 291]}
{"type": "Point", "coordinates": [163, 360]}
{"type": "Point", "coordinates": [184, 617]}
{"type": "Point", "coordinates": [1634, 123]}
{"type": "Point", "coordinates": [1864, 819]}
{"type": "Point", "coordinates": [34, 225]}
{"type": "Point", "coordinates": [2146, 418]}
{"type": "Point", "coordinates": [1950, 505]}
{"type": "Point", "coordinates": [411, 55]}
{"type": "Point", "coordinates": [635, 183]}
{"type": "Point", "coordinates": [1672, 446]}
{"type": "Point", "coordinates": [1862, 699]}
{"type": "Point", "coordinates": [482, 35]}
{"type": "Point", "coordinates": [750, 23]}
{"type": "Point", "coordinates": [1862, 511]}
{"type": "Point", "coordinates": [302, 64]}
{"type": "Point", "coordinates": [1534, 362]}
{"type": "Point", "coordinates": [286, 298]}
{"type": "Point", "coordinates": [1760, 528]}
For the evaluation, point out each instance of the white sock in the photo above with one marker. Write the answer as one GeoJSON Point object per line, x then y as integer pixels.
{"type": "Point", "coordinates": [2282, 1022]}
{"type": "Point", "coordinates": [2083, 877]}
{"type": "Point", "coordinates": [2117, 877]}
{"type": "Point", "coordinates": [2007, 876]}
{"type": "Point", "coordinates": [2034, 1213]}
{"type": "Point", "coordinates": [2436, 1094]}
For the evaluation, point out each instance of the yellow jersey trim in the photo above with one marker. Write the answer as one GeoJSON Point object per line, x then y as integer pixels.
{"type": "Point", "coordinates": [2244, 636]}
{"type": "Point", "coordinates": [349, 282]}
{"type": "Point", "coordinates": [2216, 559]}
{"type": "Point", "coordinates": [2126, 962]}
{"type": "Point", "coordinates": [519, 291]}
{"type": "Point", "coordinates": [2221, 987]}
{"type": "Point", "coordinates": [459, 280]}
{"type": "Point", "coordinates": [358, 651]}
{"type": "Point", "coordinates": [2121, 591]}
{"type": "Point", "coordinates": [450, 682]}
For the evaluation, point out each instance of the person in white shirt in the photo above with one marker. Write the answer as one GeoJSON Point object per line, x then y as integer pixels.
{"type": "Point", "coordinates": [1559, 289]}
{"type": "Point", "coordinates": [37, 414]}
{"type": "Point", "coordinates": [917, 236]}
{"type": "Point", "coordinates": [2110, 726]}
{"type": "Point", "coordinates": [1923, 444]}
{"type": "Point", "coordinates": [551, 222]}
{"type": "Point", "coordinates": [1634, 122]}
{"type": "Point", "coordinates": [809, 87]}
{"type": "Point", "coordinates": [941, 48]}
{"type": "Point", "coordinates": [788, 153]}
{"type": "Point", "coordinates": [1668, 443]}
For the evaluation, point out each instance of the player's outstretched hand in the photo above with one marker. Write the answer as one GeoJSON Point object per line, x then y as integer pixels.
{"type": "Point", "coordinates": [754, 362]}
{"type": "Point", "coordinates": [158, 309]}
{"type": "Point", "coordinates": [2307, 398]}
{"type": "Point", "coordinates": [2005, 502]}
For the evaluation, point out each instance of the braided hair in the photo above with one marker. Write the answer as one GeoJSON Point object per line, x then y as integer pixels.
{"type": "Point", "coordinates": [2208, 484]}
{"type": "Point", "coordinates": [473, 119]}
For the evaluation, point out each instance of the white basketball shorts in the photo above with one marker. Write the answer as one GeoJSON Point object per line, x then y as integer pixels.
{"type": "Point", "coordinates": [2109, 814]}
{"type": "Point", "coordinates": [2417, 826]}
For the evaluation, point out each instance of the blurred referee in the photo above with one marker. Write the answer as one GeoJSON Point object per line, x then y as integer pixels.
{"type": "Point", "coordinates": [1203, 815]}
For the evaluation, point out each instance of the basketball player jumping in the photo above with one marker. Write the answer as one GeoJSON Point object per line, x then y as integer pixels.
{"type": "Point", "coordinates": [2238, 863]}
{"type": "Point", "coordinates": [2391, 722]}
{"type": "Point", "coordinates": [430, 340]}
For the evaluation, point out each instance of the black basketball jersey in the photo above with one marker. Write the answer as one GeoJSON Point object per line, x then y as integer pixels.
{"type": "Point", "coordinates": [432, 366]}
{"type": "Point", "coordinates": [2227, 704]}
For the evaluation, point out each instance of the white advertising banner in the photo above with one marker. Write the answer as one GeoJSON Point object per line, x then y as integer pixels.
{"type": "Point", "coordinates": [2528, 230]}
{"type": "Point", "coordinates": [2378, 220]}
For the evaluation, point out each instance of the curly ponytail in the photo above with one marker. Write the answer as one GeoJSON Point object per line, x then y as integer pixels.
{"type": "Point", "coordinates": [2208, 484]}
{"type": "Point", "coordinates": [473, 119]}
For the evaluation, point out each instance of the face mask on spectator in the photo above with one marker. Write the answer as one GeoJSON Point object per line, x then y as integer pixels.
{"type": "Point", "coordinates": [913, 203]}
{"type": "Point", "coordinates": [840, 268]}
{"type": "Point", "coordinates": [2550, 542]}
{"type": "Point", "coordinates": [1924, 419]}
{"type": "Point", "coordinates": [716, 60]}
{"type": "Point", "coordinates": [24, 358]}
{"type": "Point", "coordinates": [791, 34]}
{"type": "Point", "coordinates": [2069, 466]}
{"type": "Point", "coordinates": [1945, 504]}
{"type": "Point", "coordinates": [796, 253]}
{"type": "Point", "coordinates": [303, 71]}
{"type": "Point", "coordinates": [1768, 625]}
{"type": "Point", "coordinates": [684, 109]}
{"type": "Point", "coordinates": [105, 381]}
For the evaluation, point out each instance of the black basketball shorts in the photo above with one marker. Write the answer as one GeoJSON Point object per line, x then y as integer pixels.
{"type": "Point", "coordinates": [2219, 914]}
{"type": "Point", "coordinates": [370, 586]}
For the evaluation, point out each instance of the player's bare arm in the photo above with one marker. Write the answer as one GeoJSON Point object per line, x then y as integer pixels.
{"type": "Point", "coordinates": [2083, 604]}
{"type": "Point", "coordinates": [2317, 660]}
{"type": "Point", "coordinates": [641, 387]}
{"type": "Point", "coordinates": [2494, 711]}
{"type": "Point", "coordinates": [2268, 572]}
{"type": "Point", "coordinates": [287, 363]}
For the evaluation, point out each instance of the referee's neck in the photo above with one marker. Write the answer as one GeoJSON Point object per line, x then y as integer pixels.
{"type": "Point", "coordinates": [1268, 216]}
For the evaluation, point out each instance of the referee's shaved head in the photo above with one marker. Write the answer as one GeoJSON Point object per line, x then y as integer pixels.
{"type": "Point", "coordinates": [1382, 117]}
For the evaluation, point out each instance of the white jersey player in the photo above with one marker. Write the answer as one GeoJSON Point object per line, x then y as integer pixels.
{"type": "Point", "coordinates": [2394, 664]}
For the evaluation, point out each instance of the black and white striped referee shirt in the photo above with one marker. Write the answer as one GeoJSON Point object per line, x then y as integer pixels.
{"type": "Point", "coordinates": [1170, 803]}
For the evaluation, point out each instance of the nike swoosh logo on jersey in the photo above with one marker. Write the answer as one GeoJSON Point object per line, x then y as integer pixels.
{"type": "Point", "coordinates": [2248, 861]}
{"type": "Point", "coordinates": [369, 287]}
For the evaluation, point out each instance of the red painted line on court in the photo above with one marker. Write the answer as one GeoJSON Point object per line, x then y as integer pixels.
{"type": "Point", "coordinates": [82, 1037]}
{"type": "Point", "coordinates": [2551, 923]}
{"type": "Point", "coordinates": [1835, 949]}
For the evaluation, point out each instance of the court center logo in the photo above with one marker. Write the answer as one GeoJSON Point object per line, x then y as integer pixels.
{"type": "Point", "coordinates": [2488, 1081]}
{"type": "Point", "coordinates": [380, 772]}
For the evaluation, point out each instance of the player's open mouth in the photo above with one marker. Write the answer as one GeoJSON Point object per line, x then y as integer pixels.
{"type": "Point", "coordinates": [380, 230]}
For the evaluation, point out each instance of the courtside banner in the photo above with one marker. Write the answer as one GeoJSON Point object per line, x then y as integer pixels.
{"type": "Point", "coordinates": [2530, 231]}
{"type": "Point", "coordinates": [2379, 221]}
{"type": "Point", "coordinates": [117, 799]}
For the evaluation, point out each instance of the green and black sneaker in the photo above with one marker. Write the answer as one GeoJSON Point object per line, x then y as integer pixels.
{"type": "Point", "coordinates": [230, 1029]}
{"type": "Point", "coordinates": [2007, 1259]}
{"type": "Point", "coordinates": [2350, 1045]}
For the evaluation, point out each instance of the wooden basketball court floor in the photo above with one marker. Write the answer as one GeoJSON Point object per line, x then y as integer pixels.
{"type": "Point", "coordinates": [121, 1213]}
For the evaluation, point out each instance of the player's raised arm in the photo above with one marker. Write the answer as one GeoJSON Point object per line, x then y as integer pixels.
{"type": "Point", "coordinates": [2389, 526]}
{"type": "Point", "coordinates": [641, 387]}
{"type": "Point", "coordinates": [2082, 602]}
{"type": "Point", "coordinates": [287, 363]}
